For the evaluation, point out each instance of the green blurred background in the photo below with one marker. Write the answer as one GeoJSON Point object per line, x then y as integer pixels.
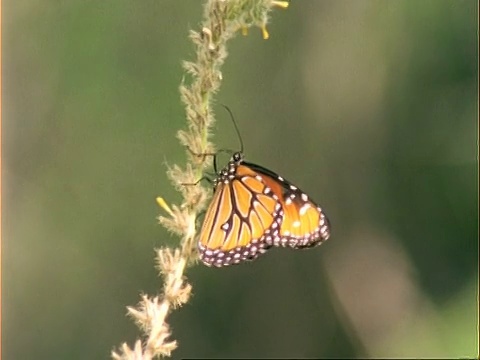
{"type": "Point", "coordinates": [369, 106]}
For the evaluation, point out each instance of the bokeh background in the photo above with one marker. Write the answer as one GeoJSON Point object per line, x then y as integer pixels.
{"type": "Point", "coordinates": [369, 106]}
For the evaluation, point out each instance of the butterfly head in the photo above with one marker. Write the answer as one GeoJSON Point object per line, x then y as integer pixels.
{"type": "Point", "coordinates": [237, 157]}
{"type": "Point", "coordinates": [227, 174]}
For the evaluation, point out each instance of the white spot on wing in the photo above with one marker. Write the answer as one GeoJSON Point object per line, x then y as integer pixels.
{"type": "Point", "coordinates": [304, 209]}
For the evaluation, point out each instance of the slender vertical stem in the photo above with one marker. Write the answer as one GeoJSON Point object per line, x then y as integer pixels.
{"type": "Point", "coordinates": [221, 20]}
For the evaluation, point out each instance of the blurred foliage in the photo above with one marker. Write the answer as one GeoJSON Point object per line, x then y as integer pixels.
{"type": "Point", "coordinates": [369, 106]}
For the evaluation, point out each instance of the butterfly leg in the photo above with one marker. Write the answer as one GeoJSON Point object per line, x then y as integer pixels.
{"type": "Point", "coordinates": [210, 181]}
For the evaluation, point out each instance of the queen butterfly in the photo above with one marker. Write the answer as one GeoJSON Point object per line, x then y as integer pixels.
{"type": "Point", "coordinates": [254, 209]}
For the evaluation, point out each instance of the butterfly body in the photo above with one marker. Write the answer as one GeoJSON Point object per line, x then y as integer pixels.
{"type": "Point", "coordinates": [253, 209]}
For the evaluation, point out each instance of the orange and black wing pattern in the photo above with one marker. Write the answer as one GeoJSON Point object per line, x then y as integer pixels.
{"type": "Point", "coordinates": [304, 224]}
{"type": "Point", "coordinates": [254, 209]}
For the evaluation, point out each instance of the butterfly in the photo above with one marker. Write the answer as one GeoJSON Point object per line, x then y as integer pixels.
{"type": "Point", "coordinates": [254, 209]}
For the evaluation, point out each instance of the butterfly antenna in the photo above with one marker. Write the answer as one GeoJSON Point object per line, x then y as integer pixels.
{"type": "Point", "coordinates": [235, 125]}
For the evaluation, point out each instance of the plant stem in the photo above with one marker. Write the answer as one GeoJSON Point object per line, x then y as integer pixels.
{"type": "Point", "coordinates": [222, 19]}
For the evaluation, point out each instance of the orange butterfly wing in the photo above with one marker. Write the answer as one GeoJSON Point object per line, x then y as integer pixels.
{"type": "Point", "coordinates": [304, 224]}
{"type": "Point", "coordinates": [242, 216]}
